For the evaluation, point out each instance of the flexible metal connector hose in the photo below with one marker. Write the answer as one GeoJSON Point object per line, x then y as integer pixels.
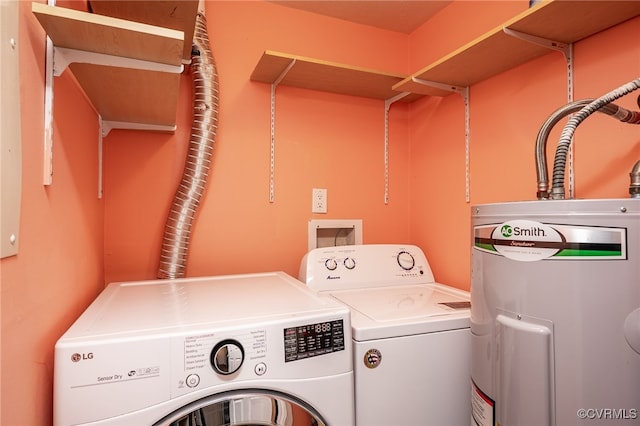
{"type": "Point", "coordinates": [611, 109]}
{"type": "Point", "coordinates": [543, 136]}
{"type": "Point", "coordinates": [557, 189]}
{"type": "Point", "coordinates": [634, 185]}
{"type": "Point", "coordinates": [175, 245]}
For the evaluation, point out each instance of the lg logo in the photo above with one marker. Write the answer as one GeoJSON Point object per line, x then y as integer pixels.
{"type": "Point", "coordinates": [80, 357]}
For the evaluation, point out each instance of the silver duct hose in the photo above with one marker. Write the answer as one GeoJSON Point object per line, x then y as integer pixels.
{"type": "Point", "coordinates": [557, 189]}
{"type": "Point", "coordinates": [175, 245]}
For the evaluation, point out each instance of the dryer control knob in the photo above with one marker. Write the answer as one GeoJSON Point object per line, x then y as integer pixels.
{"type": "Point", "coordinates": [406, 260]}
{"type": "Point", "coordinates": [331, 264]}
{"type": "Point", "coordinates": [227, 357]}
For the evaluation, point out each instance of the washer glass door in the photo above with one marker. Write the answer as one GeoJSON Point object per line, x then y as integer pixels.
{"type": "Point", "coordinates": [258, 407]}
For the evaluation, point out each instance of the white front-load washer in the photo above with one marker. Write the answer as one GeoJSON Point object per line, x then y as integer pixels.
{"type": "Point", "coordinates": [227, 350]}
{"type": "Point", "coordinates": [411, 335]}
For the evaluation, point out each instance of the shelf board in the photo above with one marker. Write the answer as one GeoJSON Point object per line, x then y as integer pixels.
{"type": "Point", "coordinates": [119, 94]}
{"type": "Point", "coordinates": [496, 51]}
{"type": "Point", "coordinates": [178, 15]}
{"type": "Point", "coordinates": [90, 32]}
{"type": "Point", "coordinates": [315, 74]}
{"type": "Point", "coordinates": [130, 95]}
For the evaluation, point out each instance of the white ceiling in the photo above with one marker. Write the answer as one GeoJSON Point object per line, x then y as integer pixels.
{"type": "Point", "coordinates": [402, 16]}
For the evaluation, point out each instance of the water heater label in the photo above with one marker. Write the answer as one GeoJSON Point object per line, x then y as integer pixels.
{"type": "Point", "coordinates": [527, 240]}
{"type": "Point", "coordinates": [482, 407]}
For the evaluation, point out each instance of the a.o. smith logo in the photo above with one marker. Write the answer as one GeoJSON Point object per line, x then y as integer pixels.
{"type": "Point", "coordinates": [509, 231]}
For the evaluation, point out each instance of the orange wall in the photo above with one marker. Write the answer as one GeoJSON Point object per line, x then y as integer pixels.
{"type": "Point", "coordinates": [456, 25]}
{"type": "Point", "coordinates": [322, 141]}
{"type": "Point", "coordinates": [506, 112]}
{"type": "Point", "coordinates": [72, 242]}
{"type": "Point", "coordinates": [59, 267]}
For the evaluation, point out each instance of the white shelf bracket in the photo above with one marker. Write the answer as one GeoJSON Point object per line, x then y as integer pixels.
{"type": "Point", "coordinates": [63, 57]}
{"type": "Point", "coordinates": [387, 107]}
{"type": "Point", "coordinates": [272, 148]}
{"type": "Point", "coordinates": [47, 158]}
{"type": "Point", "coordinates": [446, 87]}
{"type": "Point", "coordinates": [106, 126]}
{"type": "Point", "coordinates": [58, 60]}
{"type": "Point", "coordinates": [567, 51]}
{"type": "Point", "coordinates": [540, 41]}
{"type": "Point", "coordinates": [464, 92]}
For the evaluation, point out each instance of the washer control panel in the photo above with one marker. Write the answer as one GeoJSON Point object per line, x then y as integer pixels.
{"type": "Point", "coordinates": [406, 260]}
{"type": "Point", "coordinates": [369, 265]}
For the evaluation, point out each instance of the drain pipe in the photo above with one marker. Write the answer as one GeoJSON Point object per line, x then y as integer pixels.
{"type": "Point", "coordinates": [175, 245]}
{"type": "Point", "coordinates": [557, 189]}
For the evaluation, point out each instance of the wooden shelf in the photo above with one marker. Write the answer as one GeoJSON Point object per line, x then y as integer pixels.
{"type": "Point", "coordinates": [553, 24]}
{"type": "Point", "coordinates": [178, 15]}
{"type": "Point", "coordinates": [326, 76]}
{"type": "Point", "coordinates": [558, 21]}
{"type": "Point", "coordinates": [136, 94]}
{"type": "Point", "coordinates": [496, 51]}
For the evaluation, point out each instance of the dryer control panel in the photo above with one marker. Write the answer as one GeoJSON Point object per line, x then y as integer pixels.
{"type": "Point", "coordinates": [313, 339]}
{"type": "Point", "coordinates": [368, 265]}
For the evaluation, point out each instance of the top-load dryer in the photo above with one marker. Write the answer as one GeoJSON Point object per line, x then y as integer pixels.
{"type": "Point", "coordinates": [411, 336]}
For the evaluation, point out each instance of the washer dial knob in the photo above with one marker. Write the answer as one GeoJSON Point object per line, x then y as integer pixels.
{"type": "Point", "coordinates": [406, 260]}
{"type": "Point", "coordinates": [349, 263]}
{"type": "Point", "coordinates": [331, 264]}
{"type": "Point", "coordinates": [227, 357]}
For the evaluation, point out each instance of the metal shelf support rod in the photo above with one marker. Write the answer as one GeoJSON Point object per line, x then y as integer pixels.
{"type": "Point", "coordinates": [567, 51]}
{"type": "Point", "coordinates": [464, 92]}
{"type": "Point", "coordinates": [387, 107]}
{"type": "Point", "coordinates": [272, 148]}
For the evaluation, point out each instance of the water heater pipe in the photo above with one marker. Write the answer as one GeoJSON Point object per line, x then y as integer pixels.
{"type": "Point", "coordinates": [543, 135]}
{"type": "Point", "coordinates": [557, 189]}
{"type": "Point", "coordinates": [634, 185]}
{"type": "Point", "coordinates": [175, 245]}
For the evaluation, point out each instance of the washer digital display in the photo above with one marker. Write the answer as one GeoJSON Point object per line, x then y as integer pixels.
{"type": "Point", "coordinates": [311, 340]}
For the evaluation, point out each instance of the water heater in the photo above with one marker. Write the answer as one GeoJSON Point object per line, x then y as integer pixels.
{"type": "Point", "coordinates": [555, 317]}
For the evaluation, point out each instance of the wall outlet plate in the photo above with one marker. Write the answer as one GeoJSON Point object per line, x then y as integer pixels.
{"type": "Point", "coordinates": [319, 200]}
